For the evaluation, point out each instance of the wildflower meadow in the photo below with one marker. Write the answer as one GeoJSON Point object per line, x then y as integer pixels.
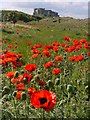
{"type": "Point", "coordinates": [44, 70]}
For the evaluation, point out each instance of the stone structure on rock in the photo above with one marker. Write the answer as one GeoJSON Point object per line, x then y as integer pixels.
{"type": "Point", "coordinates": [42, 11]}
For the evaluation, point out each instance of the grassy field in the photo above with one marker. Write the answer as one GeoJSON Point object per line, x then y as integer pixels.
{"type": "Point", "coordinates": [46, 39]}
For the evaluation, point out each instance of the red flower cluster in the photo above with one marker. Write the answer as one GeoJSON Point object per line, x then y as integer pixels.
{"type": "Point", "coordinates": [67, 38]}
{"type": "Point", "coordinates": [76, 58]}
{"type": "Point", "coordinates": [11, 57]}
{"type": "Point", "coordinates": [37, 46]}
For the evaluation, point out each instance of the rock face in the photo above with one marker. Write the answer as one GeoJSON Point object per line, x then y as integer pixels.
{"type": "Point", "coordinates": [42, 11]}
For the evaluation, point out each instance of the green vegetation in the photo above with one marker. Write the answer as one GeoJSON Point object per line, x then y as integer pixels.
{"type": "Point", "coordinates": [15, 16]}
{"type": "Point", "coordinates": [70, 86]}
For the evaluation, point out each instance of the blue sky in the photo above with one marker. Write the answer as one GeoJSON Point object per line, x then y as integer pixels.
{"type": "Point", "coordinates": [77, 9]}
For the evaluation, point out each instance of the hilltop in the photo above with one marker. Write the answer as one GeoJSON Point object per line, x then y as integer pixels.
{"type": "Point", "coordinates": [10, 15]}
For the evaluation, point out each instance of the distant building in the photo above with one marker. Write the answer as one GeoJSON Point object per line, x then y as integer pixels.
{"type": "Point", "coordinates": [42, 11]}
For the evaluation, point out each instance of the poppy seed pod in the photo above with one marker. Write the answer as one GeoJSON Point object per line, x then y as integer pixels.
{"type": "Point", "coordinates": [62, 87]}
{"type": "Point", "coordinates": [50, 84]}
{"type": "Point", "coordinates": [16, 74]}
{"type": "Point", "coordinates": [25, 80]}
{"type": "Point", "coordinates": [6, 89]}
{"type": "Point", "coordinates": [36, 77]}
{"type": "Point", "coordinates": [69, 88]}
{"type": "Point", "coordinates": [38, 72]}
{"type": "Point", "coordinates": [3, 93]}
{"type": "Point", "coordinates": [23, 96]}
{"type": "Point", "coordinates": [9, 97]}
{"type": "Point", "coordinates": [46, 87]}
{"type": "Point", "coordinates": [57, 81]}
{"type": "Point", "coordinates": [22, 71]}
{"type": "Point", "coordinates": [14, 93]}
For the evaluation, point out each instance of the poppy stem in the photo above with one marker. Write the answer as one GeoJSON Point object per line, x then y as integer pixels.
{"type": "Point", "coordinates": [42, 114]}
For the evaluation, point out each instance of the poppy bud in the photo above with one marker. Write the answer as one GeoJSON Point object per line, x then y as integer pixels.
{"type": "Point", "coordinates": [3, 92]}
{"type": "Point", "coordinates": [50, 84]}
{"type": "Point", "coordinates": [9, 97]}
{"type": "Point", "coordinates": [70, 88]}
{"type": "Point", "coordinates": [36, 77]}
{"type": "Point", "coordinates": [62, 87]}
{"type": "Point", "coordinates": [22, 71]}
{"type": "Point", "coordinates": [6, 89]}
{"type": "Point", "coordinates": [38, 72]}
{"type": "Point", "coordinates": [16, 74]}
{"type": "Point", "coordinates": [25, 80]}
{"type": "Point", "coordinates": [57, 81]}
{"type": "Point", "coordinates": [23, 97]}
{"type": "Point", "coordinates": [46, 87]}
{"type": "Point", "coordinates": [14, 93]}
{"type": "Point", "coordinates": [86, 88]}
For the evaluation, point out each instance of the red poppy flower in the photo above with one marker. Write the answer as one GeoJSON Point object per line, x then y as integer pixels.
{"type": "Point", "coordinates": [19, 94]}
{"type": "Point", "coordinates": [14, 80]}
{"type": "Point", "coordinates": [46, 53]}
{"type": "Point", "coordinates": [67, 38]}
{"type": "Point", "coordinates": [19, 55]}
{"type": "Point", "coordinates": [17, 79]}
{"type": "Point", "coordinates": [20, 86]}
{"type": "Point", "coordinates": [17, 64]}
{"type": "Point", "coordinates": [55, 49]}
{"type": "Point", "coordinates": [41, 83]}
{"type": "Point", "coordinates": [30, 67]}
{"type": "Point", "coordinates": [72, 58]}
{"type": "Point", "coordinates": [37, 46]}
{"type": "Point", "coordinates": [79, 58]}
{"type": "Point", "coordinates": [56, 44]}
{"type": "Point", "coordinates": [43, 99]}
{"type": "Point", "coordinates": [31, 90]}
{"type": "Point", "coordinates": [83, 41]}
{"type": "Point", "coordinates": [27, 76]}
{"type": "Point", "coordinates": [8, 60]}
{"type": "Point", "coordinates": [16, 42]}
{"type": "Point", "coordinates": [48, 47]}
{"type": "Point", "coordinates": [87, 45]}
{"type": "Point", "coordinates": [76, 43]}
{"type": "Point", "coordinates": [58, 58]}
{"type": "Point", "coordinates": [49, 64]}
{"type": "Point", "coordinates": [56, 71]}
{"type": "Point", "coordinates": [5, 41]}
{"type": "Point", "coordinates": [9, 46]}
{"type": "Point", "coordinates": [71, 48]}
{"type": "Point", "coordinates": [15, 46]}
{"type": "Point", "coordinates": [88, 53]}
{"type": "Point", "coordinates": [10, 74]}
{"type": "Point", "coordinates": [20, 78]}
{"type": "Point", "coordinates": [28, 43]}
{"type": "Point", "coordinates": [35, 51]}
{"type": "Point", "coordinates": [34, 56]}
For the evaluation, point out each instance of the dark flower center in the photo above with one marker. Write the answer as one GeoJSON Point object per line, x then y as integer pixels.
{"type": "Point", "coordinates": [43, 100]}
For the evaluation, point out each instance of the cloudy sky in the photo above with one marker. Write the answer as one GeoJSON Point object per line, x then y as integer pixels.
{"type": "Point", "coordinates": [76, 9]}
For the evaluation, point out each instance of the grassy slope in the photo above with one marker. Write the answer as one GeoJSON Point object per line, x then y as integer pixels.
{"type": "Point", "coordinates": [45, 32]}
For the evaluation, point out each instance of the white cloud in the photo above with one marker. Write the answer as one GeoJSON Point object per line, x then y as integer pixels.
{"type": "Point", "coordinates": [44, 1]}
